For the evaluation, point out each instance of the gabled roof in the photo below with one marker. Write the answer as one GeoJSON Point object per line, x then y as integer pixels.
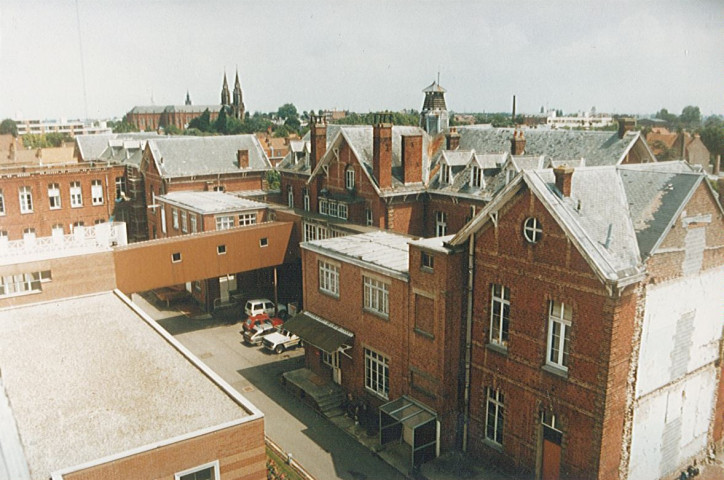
{"type": "Point", "coordinates": [598, 148]}
{"type": "Point", "coordinates": [360, 140]}
{"type": "Point", "coordinates": [461, 186]}
{"type": "Point", "coordinates": [288, 164]}
{"type": "Point", "coordinates": [91, 147]}
{"type": "Point", "coordinates": [188, 156]}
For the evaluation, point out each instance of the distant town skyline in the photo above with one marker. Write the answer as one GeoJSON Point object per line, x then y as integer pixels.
{"type": "Point", "coordinates": [97, 59]}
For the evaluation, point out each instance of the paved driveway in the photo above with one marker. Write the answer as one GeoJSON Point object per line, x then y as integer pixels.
{"type": "Point", "coordinates": [324, 450]}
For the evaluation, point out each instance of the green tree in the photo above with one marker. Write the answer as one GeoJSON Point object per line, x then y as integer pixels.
{"type": "Point", "coordinates": [9, 126]}
{"type": "Point", "coordinates": [287, 110]}
{"type": "Point", "coordinates": [664, 114]}
{"type": "Point", "coordinates": [202, 122]}
{"type": "Point", "coordinates": [172, 130]}
{"type": "Point", "coordinates": [122, 126]}
{"type": "Point", "coordinates": [713, 135]}
{"type": "Point", "coordinates": [690, 116]}
{"type": "Point", "coordinates": [220, 125]}
{"type": "Point", "coordinates": [234, 126]}
{"type": "Point", "coordinates": [56, 139]}
{"type": "Point", "coordinates": [272, 178]}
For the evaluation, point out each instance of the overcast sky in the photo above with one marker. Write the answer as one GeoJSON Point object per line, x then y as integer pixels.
{"type": "Point", "coordinates": [619, 56]}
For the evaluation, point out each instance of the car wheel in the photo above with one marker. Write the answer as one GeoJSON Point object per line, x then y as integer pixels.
{"type": "Point", "coordinates": [279, 349]}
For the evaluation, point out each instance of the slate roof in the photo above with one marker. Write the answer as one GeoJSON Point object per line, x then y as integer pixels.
{"type": "Point", "coordinates": [493, 174]}
{"type": "Point", "coordinates": [210, 202]}
{"type": "Point", "coordinates": [382, 251]}
{"type": "Point", "coordinates": [92, 147]}
{"type": "Point", "coordinates": [159, 109]}
{"type": "Point", "coordinates": [302, 146]}
{"type": "Point", "coordinates": [598, 148]}
{"type": "Point", "coordinates": [615, 215]}
{"type": "Point", "coordinates": [189, 156]}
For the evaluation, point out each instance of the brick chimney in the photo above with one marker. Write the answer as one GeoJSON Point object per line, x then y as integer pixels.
{"type": "Point", "coordinates": [717, 165]}
{"type": "Point", "coordinates": [453, 139]}
{"type": "Point", "coordinates": [242, 156]}
{"type": "Point", "coordinates": [517, 143]}
{"type": "Point", "coordinates": [318, 136]}
{"type": "Point", "coordinates": [624, 125]}
{"type": "Point", "coordinates": [382, 150]}
{"type": "Point", "coordinates": [564, 177]}
{"type": "Point", "coordinates": [412, 158]}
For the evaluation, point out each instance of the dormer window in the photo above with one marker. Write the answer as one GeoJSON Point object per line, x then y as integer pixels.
{"type": "Point", "coordinates": [476, 177]}
{"type": "Point", "coordinates": [445, 176]}
{"type": "Point", "coordinates": [349, 178]}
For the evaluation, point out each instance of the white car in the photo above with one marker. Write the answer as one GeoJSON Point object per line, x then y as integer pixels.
{"type": "Point", "coordinates": [280, 340]}
{"type": "Point", "coordinates": [256, 334]}
{"type": "Point", "coordinates": [263, 305]}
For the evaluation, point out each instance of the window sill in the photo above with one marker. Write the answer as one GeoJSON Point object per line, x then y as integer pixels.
{"type": "Point", "coordinates": [329, 294]}
{"type": "Point", "coordinates": [427, 269]}
{"type": "Point", "coordinates": [380, 315]}
{"type": "Point", "coordinates": [376, 394]}
{"type": "Point", "coordinates": [494, 445]}
{"type": "Point", "coordinates": [423, 333]}
{"type": "Point", "coordinates": [557, 371]}
{"type": "Point", "coordinates": [497, 348]}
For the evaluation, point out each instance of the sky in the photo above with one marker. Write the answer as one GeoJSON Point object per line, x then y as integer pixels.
{"type": "Point", "coordinates": [99, 58]}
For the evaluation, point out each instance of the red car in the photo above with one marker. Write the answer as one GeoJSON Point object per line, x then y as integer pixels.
{"type": "Point", "coordinates": [255, 320]}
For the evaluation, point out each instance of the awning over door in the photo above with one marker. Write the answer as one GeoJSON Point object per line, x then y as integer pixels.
{"type": "Point", "coordinates": [319, 332]}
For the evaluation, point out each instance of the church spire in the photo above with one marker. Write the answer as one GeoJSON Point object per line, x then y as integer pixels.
{"type": "Point", "coordinates": [188, 98]}
{"type": "Point", "coordinates": [238, 105]}
{"type": "Point", "coordinates": [225, 97]}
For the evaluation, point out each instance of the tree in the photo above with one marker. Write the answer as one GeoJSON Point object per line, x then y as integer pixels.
{"type": "Point", "coordinates": [9, 126]}
{"type": "Point", "coordinates": [287, 110]}
{"type": "Point", "coordinates": [272, 178]}
{"type": "Point", "coordinates": [122, 126]}
{"type": "Point", "coordinates": [202, 122]}
{"type": "Point", "coordinates": [690, 116]}
{"type": "Point", "coordinates": [172, 130]}
{"type": "Point", "coordinates": [713, 135]}
{"type": "Point", "coordinates": [220, 125]}
{"type": "Point", "coordinates": [664, 114]}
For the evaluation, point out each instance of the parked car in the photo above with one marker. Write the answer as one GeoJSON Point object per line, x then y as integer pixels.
{"type": "Point", "coordinates": [280, 340]}
{"type": "Point", "coordinates": [256, 334]}
{"type": "Point", "coordinates": [258, 319]}
{"type": "Point", "coordinates": [256, 306]}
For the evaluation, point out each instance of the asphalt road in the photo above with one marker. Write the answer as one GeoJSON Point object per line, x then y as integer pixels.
{"type": "Point", "coordinates": [324, 450]}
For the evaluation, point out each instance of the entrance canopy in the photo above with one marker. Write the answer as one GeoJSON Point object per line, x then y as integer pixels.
{"type": "Point", "coordinates": [407, 415]}
{"type": "Point", "coordinates": [319, 332]}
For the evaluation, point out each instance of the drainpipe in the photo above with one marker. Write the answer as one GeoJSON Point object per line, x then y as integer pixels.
{"type": "Point", "coordinates": [468, 340]}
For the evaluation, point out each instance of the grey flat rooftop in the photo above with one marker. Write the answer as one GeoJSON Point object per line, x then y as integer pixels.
{"type": "Point", "coordinates": [211, 202]}
{"type": "Point", "coordinates": [434, 243]}
{"type": "Point", "coordinates": [385, 250]}
{"type": "Point", "coordinates": [87, 377]}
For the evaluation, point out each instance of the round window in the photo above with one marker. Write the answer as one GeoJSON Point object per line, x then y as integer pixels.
{"type": "Point", "coordinates": [532, 230]}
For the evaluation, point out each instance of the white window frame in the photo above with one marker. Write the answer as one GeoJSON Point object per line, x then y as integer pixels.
{"type": "Point", "coordinates": [174, 218]}
{"type": "Point", "coordinates": [163, 218]}
{"type": "Point", "coordinates": [440, 223]}
{"type": "Point", "coordinates": [184, 222]}
{"type": "Point", "coordinates": [332, 208]}
{"type": "Point", "coordinates": [445, 176]}
{"type": "Point", "coordinates": [349, 178]}
{"type": "Point", "coordinates": [214, 465]}
{"type": "Point", "coordinates": [54, 201]}
{"type": "Point", "coordinates": [306, 200]}
{"type": "Point", "coordinates": [224, 222]}
{"type": "Point", "coordinates": [532, 230]}
{"type": "Point", "coordinates": [376, 296]}
{"type": "Point", "coordinates": [20, 284]}
{"type": "Point", "coordinates": [377, 373]}
{"type": "Point", "coordinates": [559, 330]}
{"type": "Point", "coordinates": [2, 202]}
{"type": "Point", "coordinates": [329, 278]}
{"type": "Point", "coordinates": [290, 197]}
{"type": "Point", "coordinates": [25, 194]}
{"type": "Point", "coordinates": [57, 231]}
{"type": "Point", "coordinates": [500, 320]}
{"type": "Point", "coordinates": [476, 176]}
{"type": "Point", "coordinates": [495, 414]}
{"type": "Point", "coordinates": [120, 186]}
{"type": "Point", "coordinates": [96, 192]}
{"type": "Point", "coordinates": [342, 211]}
{"type": "Point", "coordinates": [173, 257]}
{"type": "Point", "coordinates": [76, 195]}
{"type": "Point", "coordinates": [323, 206]}
{"type": "Point", "coordinates": [193, 221]}
{"type": "Point", "coordinates": [368, 216]}
{"type": "Point", "coordinates": [247, 219]}
{"type": "Point", "coordinates": [427, 261]}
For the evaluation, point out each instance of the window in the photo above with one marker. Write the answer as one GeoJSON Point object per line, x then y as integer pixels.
{"type": "Point", "coordinates": [290, 197]}
{"type": "Point", "coordinates": [559, 326]}
{"type": "Point", "coordinates": [494, 416]}
{"type": "Point", "coordinates": [440, 224]}
{"type": "Point", "coordinates": [28, 234]}
{"type": "Point", "coordinates": [332, 212]}
{"type": "Point", "coordinates": [323, 206]}
{"type": "Point", "coordinates": [77, 225]}
{"type": "Point", "coordinates": [176, 257]}
{"type": "Point", "coordinates": [349, 178]}
{"type": "Point", "coordinates": [76, 195]}
{"type": "Point", "coordinates": [22, 283]}
{"type": "Point", "coordinates": [313, 231]}
{"type": "Point", "coordinates": [499, 315]}
{"type": "Point", "coordinates": [306, 200]}
{"type": "Point", "coordinates": [184, 222]}
{"type": "Point", "coordinates": [208, 471]}
{"type": "Point", "coordinates": [26, 200]}
{"type": "Point", "coordinates": [2, 203]}
{"type": "Point", "coordinates": [532, 230]}
{"type": "Point", "coordinates": [97, 192]}
{"type": "Point", "coordinates": [163, 219]}
{"type": "Point", "coordinates": [329, 278]}
{"type": "Point", "coordinates": [54, 196]}
{"type": "Point", "coordinates": [368, 216]}
{"type": "Point", "coordinates": [342, 211]}
{"type": "Point", "coordinates": [427, 261]}
{"type": "Point", "coordinates": [377, 373]}
{"type": "Point", "coordinates": [98, 221]}
{"type": "Point", "coordinates": [221, 249]}
{"type": "Point", "coordinates": [376, 296]}
{"type": "Point", "coordinates": [192, 217]}
{"type": "Point", "coordinates": [57, 230]}
{"type": "Point", "coordinates": [225, 222]}
{"type": "Point", "coordinates": [476, 176]}
{"type": "Point", "coordinates": [174, 218]}
{"type": "Point", "coordinates": [247, 219]}
{"type": "Point", "coordinates": [263, 242]}
{"type": "Point", "coordinates": [219, 188]}
{"type": "Point", "coordinates": [445, 173]}
{"type": "Point", "coordinates": [120, 187]}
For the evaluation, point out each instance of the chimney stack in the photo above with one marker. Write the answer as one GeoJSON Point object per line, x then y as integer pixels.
{"type": "Point", "coordinates": [513, 117]}
{"type": "Point", "coordinates": [517, 143]}
{"type": "Point", "coordinates": [382, 150]}
{"type": "Point", "coordinates": [564, 177]}
{"type": "Point", "coordinates": [624, 125]}
{"type": "Point", "coordinates": [453, 139]}
{"type": "Point", "coordinates": [242, 156]}
{"type": "Point", "coordinates": [717, 165]}
{"type": "Point", "coordinates": [412, 158]}
{"type": "Point", "coordinates": [318, 137]}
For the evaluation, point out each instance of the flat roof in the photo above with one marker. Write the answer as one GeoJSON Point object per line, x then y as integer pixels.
{"type": "Point", "coordinates": [88, 378]}
{"type": "Point", "coordinates": [210, 202]}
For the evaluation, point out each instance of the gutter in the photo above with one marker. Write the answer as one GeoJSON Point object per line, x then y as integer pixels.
{"type": "Point", "coordinates": [468, 340]}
